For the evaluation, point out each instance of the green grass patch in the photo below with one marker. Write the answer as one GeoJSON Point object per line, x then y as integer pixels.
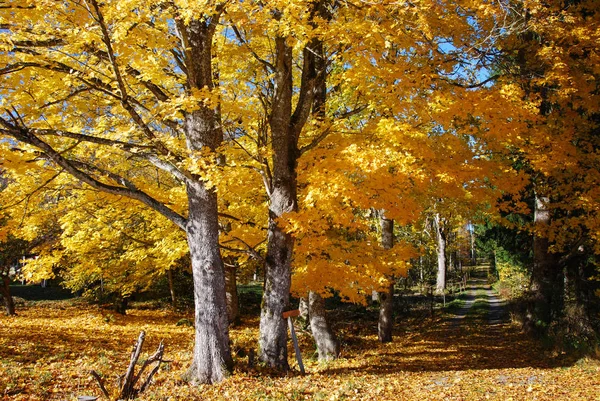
{"type": "Point", "coordinates": [454, 306]}
{"type": "Point", "coordinates": [481, 307]}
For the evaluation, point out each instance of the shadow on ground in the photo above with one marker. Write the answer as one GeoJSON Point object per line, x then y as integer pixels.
{"type": "Point", "coordinates": [477, 336]}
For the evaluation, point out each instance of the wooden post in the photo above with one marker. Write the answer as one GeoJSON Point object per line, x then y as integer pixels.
{"type": "Point", "coordinates": [289, 315]}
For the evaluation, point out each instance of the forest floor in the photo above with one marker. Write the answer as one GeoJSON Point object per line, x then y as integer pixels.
{"type": "Point", "coordinates": [472, 351]}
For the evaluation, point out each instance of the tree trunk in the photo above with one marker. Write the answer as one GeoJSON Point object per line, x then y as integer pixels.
{"type": "Point", "coordinates": [9, 304]}
{"type": "Point", "coordinates": [546, 277]}
{"type": "Point", "coordinates": [386, 315]}
{"type": "Point", "coordinates": [303, 307]}
{"type": "Point", "coordinates": [171, 287]}
{"type": "Point", "coordinates": [283, 197]}
{"type": "Point", "coordinates": [286, 124]}
{"type": "Point", "coordinates": [472, 238]}
{"type": "Point", "coordinates": [231, 293]}
{"type": "Point", "coordinates": [212, 355]}
{"type": "Point", "coordinates": [203, 131]}
{"type": "Point", "coordinates": [386, 299]}
{"type": "Point", "coordinates": [120, 305]}
{"type": "Point", "coordinates": [273, 328]}
{"type": "Point", "coordinates": [440, 283]}
{"type": "Point", "coordinates": [328, 346]}
{"type": "Point", "coordinates": [576, 309]}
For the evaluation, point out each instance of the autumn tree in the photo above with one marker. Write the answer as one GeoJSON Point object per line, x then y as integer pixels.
{"type": "Point", "coordinates": [553, 58]}
{"type": "Point", "coordinates": [103, 91]}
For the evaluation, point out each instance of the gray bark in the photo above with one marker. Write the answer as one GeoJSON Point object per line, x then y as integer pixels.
{"type": "Point", "coordinates": [286, 124]}
{"type": "Point", "coordinates": [233, 310]}
{"type": "Point", "coordinates": [440, 283]}
{"type": "Point", "coordinates": [303, 307]}
{"type": "Point", "coordinates": [386, 315]}
{"type": "Point", "coordinates": [386, 299]}
{"type": "Point", "coordinates": [212, 355]}
{"type": "Point", "coordinates": [328, 346]}
{"type": "Point", "coordinates": [273, 328]}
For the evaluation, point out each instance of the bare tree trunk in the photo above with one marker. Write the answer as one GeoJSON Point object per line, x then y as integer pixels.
{"type": "Point", "coordinates": [386, 315]}
{"type": "Point", "coordinates": [546, 277]}
{"type": "Point", "coordinates": [233, 310]}
{"type": "Point", "coordinates": [171, 287]}
{"type": "Point", "coordinates": [303, 307]}
{"type": "Point", "coordinates": [328, 346]}
{"type": "Point", "coordinates": [212, 355]}
{"type": "Point", "coordinates": [273, 328]}
{"type": "Point", "coordinates": [576, 309]}
{"type": "Point", "coordinates": [472, 238]}
{"type": "Point", "coordinates": [440, 283]}
{"type": "Point", "coordinates": [9, 304]}
{"type": "Point", "coordinates": [386, 299]}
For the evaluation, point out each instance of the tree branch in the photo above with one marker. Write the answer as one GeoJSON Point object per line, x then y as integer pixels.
{"type": "Point", "coordinates": [128, 189]}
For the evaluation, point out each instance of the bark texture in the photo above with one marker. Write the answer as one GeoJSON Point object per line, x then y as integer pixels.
{"type": "Point", "coordinates": [212, 355]}
{"type": "Point", "coordinates": [286, 123]}
{"type": "Point", "coordinates": [283, 197]}
{"type": "Point", "coordinates": [233, 306]}
{"type": "Point", "coordinates": [440, 282]}
{"type": "Point", "coordinates": [386, 299]}
{"type": "Point", "coordinates": [7, 299]}
{"type": "Point", "coordinates": [547, 282]}
{"type": "Point", "coordinates": [328, 346]}
{"type": "Point", "coordinates": [385, 324]}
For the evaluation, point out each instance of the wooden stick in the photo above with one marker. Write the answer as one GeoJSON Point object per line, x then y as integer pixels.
{"type": "Point", "coordinates": [157, 357]}
{"type": "Point", "coordinates": [296, 347]}
{"type": "Point", "coordinates": [99, 380]}
{"type": "Point", "coordinates": [135, 355]}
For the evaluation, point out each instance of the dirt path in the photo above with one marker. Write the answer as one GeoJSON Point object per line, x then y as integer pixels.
{"type": "Point", "coordinates": [480, 292]}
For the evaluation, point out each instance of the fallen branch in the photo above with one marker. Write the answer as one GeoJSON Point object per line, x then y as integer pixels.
{"type": "Point", "coordinates": [100, 383]}
{"type": "Point", "coordinates": [126, 383]}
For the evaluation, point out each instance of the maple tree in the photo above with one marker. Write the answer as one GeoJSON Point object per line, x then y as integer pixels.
{"type": "Point", "coordinates": [554, 59]}
{"type": "Point", "coordinates": [91, 104]}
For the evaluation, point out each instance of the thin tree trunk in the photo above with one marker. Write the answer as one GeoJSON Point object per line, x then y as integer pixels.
{"type": "Point", "coordinates": [546, 277]}
{"type": "Point", "coordinates": [328, 346]}
{"type": "Point", "coordinates": [231, 293]}
{"type": "Point", "coordinates": [386, 315]}
{"type": "Point", "coordinates": [440, 283]}
{"type": "Point", "coordinates": [472, 237]}
{"type": "Point", "coordinates": [9, 304]}
{"type": "Point", "coordinates": [171, 287]}
{"type": "Point", "coordinates": [386, 299]}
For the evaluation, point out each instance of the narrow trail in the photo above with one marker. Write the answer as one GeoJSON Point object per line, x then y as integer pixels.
{"type": "Point", "coordinates": [479, 290]}
{"type": "Point", "coordinates": [474, 353]}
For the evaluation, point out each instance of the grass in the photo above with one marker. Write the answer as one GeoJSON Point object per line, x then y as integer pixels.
{"type": "Point", "coordinates": [454, 306]}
